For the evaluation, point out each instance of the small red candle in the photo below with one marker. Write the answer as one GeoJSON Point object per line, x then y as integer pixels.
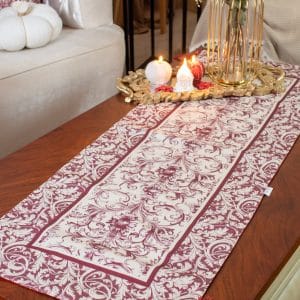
{"type": "Point", "coordinates": [197, 69]}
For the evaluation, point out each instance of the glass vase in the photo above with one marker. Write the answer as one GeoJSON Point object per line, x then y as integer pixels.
{"type": "Point", "coordinates": [234, 40]}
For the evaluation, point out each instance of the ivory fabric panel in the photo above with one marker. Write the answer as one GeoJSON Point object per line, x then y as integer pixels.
{"type": "Point", "coordinates": [281, 30]}
{"type": "Point", "coordinates": [83, 13]}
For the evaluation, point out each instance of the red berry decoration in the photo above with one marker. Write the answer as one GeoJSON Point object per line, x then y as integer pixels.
{"type": "Point", "coordinates": [197, 68]}
{"type": "Point", "coordinates": [204, 85]}
{"type": "Point", "coordinates": [164, 88]}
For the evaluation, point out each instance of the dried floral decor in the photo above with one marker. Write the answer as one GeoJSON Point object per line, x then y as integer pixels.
{"type": "Point", "coordinates": [234, 40]}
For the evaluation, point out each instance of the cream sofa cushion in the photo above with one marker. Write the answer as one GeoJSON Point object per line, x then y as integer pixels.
{"type": "Point", "coordinates": [70, 43]}
{"type": "Point", "coordinates": [43, 88]}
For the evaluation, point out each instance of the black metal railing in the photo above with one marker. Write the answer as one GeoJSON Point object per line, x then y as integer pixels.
{"type": "Point", "coordinates": [128, 13]}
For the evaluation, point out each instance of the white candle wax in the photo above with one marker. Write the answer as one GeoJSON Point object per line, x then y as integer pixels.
{"type": "Point", "coordinates": [158, 72]}
{"type": "Point", "coordinates": [185, 78]}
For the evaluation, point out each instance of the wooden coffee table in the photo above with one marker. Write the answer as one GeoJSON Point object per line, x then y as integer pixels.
{"type": "Point", "coordinates": [264, 247]}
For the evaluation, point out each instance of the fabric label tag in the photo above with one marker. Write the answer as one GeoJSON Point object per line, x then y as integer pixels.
{"type": "Point", "coordinates": [268, 191]}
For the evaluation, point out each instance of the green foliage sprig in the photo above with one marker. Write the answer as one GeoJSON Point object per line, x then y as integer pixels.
{"type": "Point", "coordinates": [238, 10]}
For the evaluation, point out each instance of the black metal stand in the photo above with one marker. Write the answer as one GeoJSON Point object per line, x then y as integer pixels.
{"type": "Point", "coordinates": [128, 12]}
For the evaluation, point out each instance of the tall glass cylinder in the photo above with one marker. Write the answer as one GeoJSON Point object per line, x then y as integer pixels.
{"type": "Point", "coordinates": [234, 40]}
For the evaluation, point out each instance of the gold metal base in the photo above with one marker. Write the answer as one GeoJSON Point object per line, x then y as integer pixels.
{"type": "Point", "coordinates": [216, 73]}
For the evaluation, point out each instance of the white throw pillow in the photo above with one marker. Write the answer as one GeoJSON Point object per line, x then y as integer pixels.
{"type": "Point", "coordinates": [83, 13]}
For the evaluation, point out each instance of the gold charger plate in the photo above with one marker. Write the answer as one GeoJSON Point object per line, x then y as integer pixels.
{"type": "Point", "coordinates": [136, 88]}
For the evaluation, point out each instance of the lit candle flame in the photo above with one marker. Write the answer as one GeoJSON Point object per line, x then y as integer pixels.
{"type": "Point", "coordinates": [160, 58]}
{"type": "Point", "coordinates": [184, 78]}
{"type": "Point", "coordinates": [193, 59]}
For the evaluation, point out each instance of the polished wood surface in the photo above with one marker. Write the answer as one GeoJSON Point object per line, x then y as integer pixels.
{"type": "Point", "coordinates": [265, 245]}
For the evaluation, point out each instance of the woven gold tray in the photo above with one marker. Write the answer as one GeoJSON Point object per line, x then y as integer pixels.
{"type": "Point", "coordinates": [136, 88]}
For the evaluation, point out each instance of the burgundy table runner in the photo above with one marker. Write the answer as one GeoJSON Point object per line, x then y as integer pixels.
{"type": "Point", "coordinates": [152, 208]}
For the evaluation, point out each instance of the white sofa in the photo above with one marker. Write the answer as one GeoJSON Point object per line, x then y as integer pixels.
{"type": "Point", "coordinates": [42, 88]}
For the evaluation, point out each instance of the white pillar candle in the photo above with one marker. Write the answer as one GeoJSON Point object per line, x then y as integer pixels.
{"type": "Point", "coordinates": [185, 78]}
{"type": "Point", "coordinates": [158, 72]}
